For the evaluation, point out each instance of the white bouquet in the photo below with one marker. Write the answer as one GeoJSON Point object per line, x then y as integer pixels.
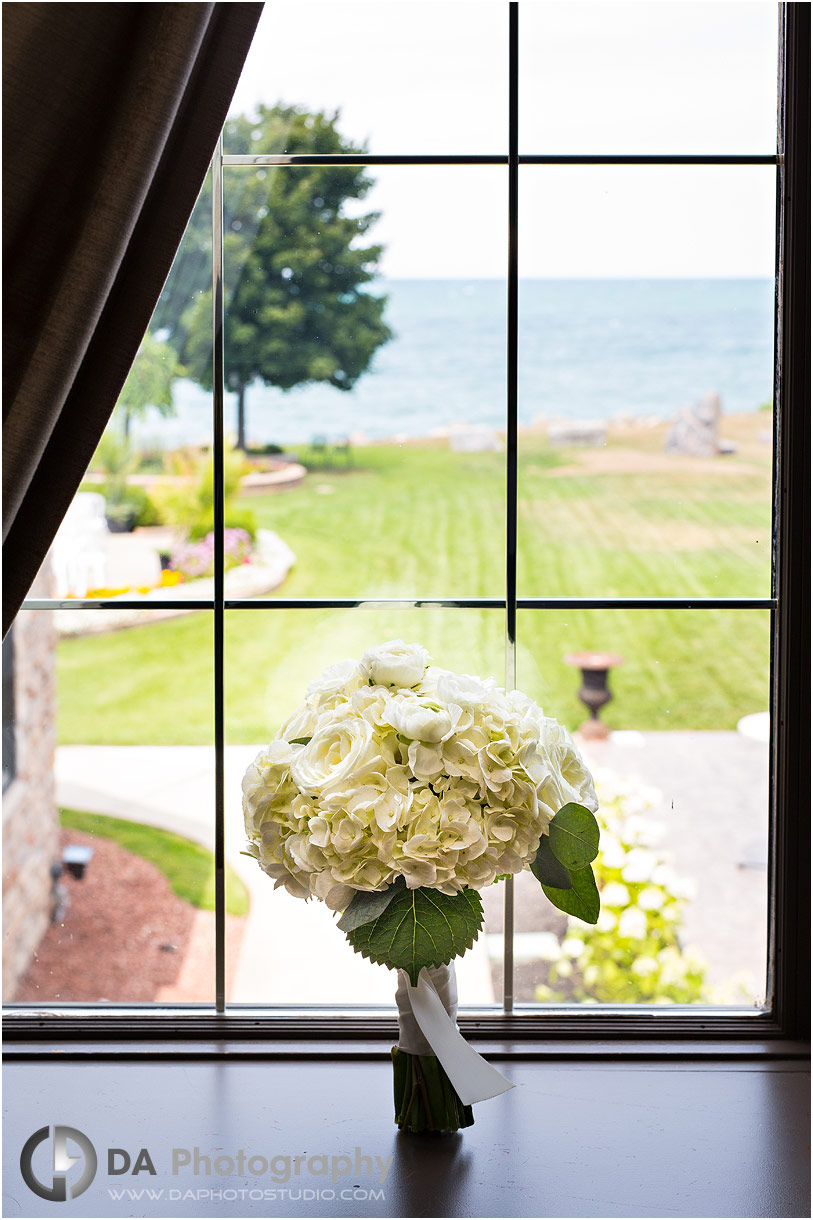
{"type": "Point", "coordinates": [394, 794]}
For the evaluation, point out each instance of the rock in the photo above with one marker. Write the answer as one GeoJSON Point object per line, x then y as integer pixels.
{"type": "Point", "coordinates": [694, 431]}
{"type": "Point", "coordinates": [577, 432]}
{"type": "Point", "coordinates": [474, 438]}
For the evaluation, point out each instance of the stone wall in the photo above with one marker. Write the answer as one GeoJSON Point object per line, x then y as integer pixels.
{"type": "Point", "coordinates": [30, 817]}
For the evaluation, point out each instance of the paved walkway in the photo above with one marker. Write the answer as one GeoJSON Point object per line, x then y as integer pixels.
{"type": "Point", "coordinates": [713, 813]}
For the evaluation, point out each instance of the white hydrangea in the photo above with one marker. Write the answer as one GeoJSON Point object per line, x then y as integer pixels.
{"type": "Point", "coordinates": [395, 768]}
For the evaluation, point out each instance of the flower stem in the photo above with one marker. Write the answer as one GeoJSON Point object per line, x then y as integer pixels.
{"type": "Point", "coordinates": [425, 1099]}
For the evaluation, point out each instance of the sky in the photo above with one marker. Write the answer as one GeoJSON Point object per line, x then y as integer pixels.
{"type": "Point", "coordinates": [431, 76]}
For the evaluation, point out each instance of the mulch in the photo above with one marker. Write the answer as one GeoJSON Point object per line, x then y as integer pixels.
{"type": "Point", "coordinates": [125, 937]}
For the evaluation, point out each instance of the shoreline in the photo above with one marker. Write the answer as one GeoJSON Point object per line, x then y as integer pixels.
{"type": "Point", "coordinates": [622, 424]}
{"type": "Point", "coordinates": [622, 427]}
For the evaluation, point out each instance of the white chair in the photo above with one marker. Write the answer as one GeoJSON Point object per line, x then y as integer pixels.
{"type": "Point", "coordinates": [79, 550]}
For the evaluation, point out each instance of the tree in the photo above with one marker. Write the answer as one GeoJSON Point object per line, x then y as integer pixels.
{"type": "Point", "coordinates": [296, 267]}
{"type": "Point", "coordinates": [149, 382]}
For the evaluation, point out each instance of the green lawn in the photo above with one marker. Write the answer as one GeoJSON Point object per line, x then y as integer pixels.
{"type": "Point", "coordinates": [189, 868]}
{"type": "Point", "coordinates": [419, 521]}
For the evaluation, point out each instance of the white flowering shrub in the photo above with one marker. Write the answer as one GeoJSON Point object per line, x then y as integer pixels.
{"type": "Point", "coordinates": [633, 954]}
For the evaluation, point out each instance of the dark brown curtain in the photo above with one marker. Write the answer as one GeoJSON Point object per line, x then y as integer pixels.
{"type": "Point", "coordinates": [111, 113]}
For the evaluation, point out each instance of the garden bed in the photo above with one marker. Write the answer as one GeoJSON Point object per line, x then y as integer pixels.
{"type": "Point", "coordinates": [125, 937]}
{"type": "Point", "coordinates": [247, 580]}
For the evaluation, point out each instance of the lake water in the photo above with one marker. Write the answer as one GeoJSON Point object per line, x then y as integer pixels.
{"type": "Point", "coordinates": [588, 349]}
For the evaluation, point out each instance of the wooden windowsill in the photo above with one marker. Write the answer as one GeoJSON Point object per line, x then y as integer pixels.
{"type": "Point", "coordinates": [608, 1137]}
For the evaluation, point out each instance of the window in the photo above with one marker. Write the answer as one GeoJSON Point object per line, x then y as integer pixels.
{"type": "Point", "coordinates": [481, 598]}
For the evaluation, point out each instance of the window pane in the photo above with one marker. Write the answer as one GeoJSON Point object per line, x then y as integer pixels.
{"type": "Point", "coordinates": [148, 486]}
{"type": "Point", "coordinates": [113, 754]}
{"type": "Point", "coordinates": [394, 486]}
{"type": "Point", "coordinates": [291, 953]}
{"type": "Point", "coordinates": [648, 78]}
{"type": "Point", "coordinates": [645, 381]}
{"type": "Point", "coordinates": [682, 781]}
{"type": "Point", "coordinates": [364, 58]}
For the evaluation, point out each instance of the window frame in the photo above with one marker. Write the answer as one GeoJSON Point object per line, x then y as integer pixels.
{"type": "Point", "coordinates": [9, 738]}
{"type": "Point", "coordinates": [692, 1030]}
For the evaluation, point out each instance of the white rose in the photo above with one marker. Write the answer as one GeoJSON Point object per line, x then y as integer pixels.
{"type": "Point", "coordinates": [465, 690]}
{"type": "Point", "coordinates": [395, 664]}
{"type": "Point", "coordinates": [360, 782]}
{"type": "Point", "coordinates": [331, 754]}
{"type": "Point", "coordinates": [570, 775]}
{"type": "Point", "coordinates": [300, 723]}
{"type": "Point", "coordinates": [429, 683]}
{"type": "Point", "coordinates": [277, 753]}
{"type": "Point", "coordinates": [371, 702]}
{"type": "Point", "coordinates": [336, 678]}
{"type": "Point", "coordinates": [418, 721]}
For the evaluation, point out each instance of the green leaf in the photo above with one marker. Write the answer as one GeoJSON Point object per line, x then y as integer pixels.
{"type": "Point", "coordinates": [365, 906]}
{"type": "Point", "coordinates": [548, 870]}
{"type": "Point", "coordinates": [582, 900]}
{"type": "Point", "coordinates": [574, 837]}
{"type": "Point", "coordinates": [299, 741]}
{"type": "Point", "coordinates": [420, 928]}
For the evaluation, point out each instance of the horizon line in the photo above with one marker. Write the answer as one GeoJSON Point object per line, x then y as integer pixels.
{"type": "Point", "coordinates": [496, 279]}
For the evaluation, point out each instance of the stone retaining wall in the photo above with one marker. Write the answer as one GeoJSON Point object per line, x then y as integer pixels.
{"type": "Point", "coordinates": [30, 816]}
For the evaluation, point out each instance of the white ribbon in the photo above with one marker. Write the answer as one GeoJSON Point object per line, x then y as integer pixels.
{"type": "Point", "coordinates": [427, 1026]}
